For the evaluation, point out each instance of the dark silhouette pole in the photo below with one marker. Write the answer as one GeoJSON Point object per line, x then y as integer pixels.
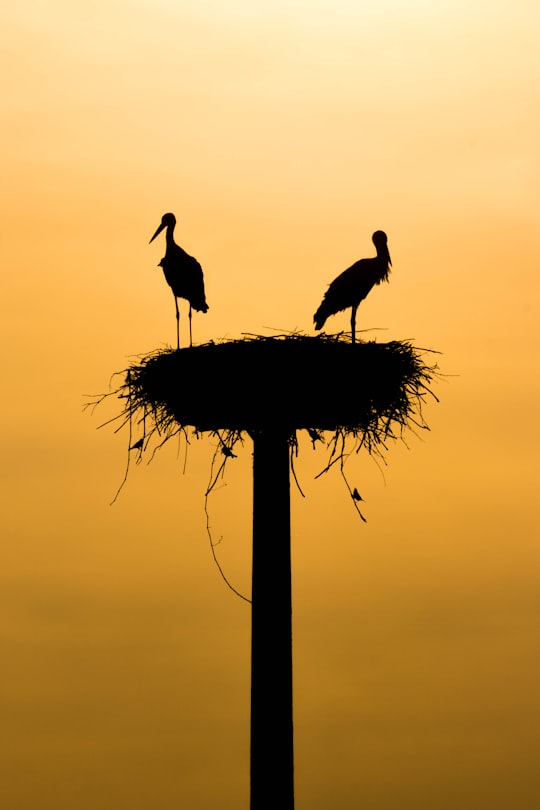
{"type": "Point", "coordinates": [272, 784]}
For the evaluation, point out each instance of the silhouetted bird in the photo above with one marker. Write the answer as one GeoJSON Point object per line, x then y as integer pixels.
{"type": "Point", "coordinates": [352, 286]}
{"type": "Point", "coordinates": [183, 274]}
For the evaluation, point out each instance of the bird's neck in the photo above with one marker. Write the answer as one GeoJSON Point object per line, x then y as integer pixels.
{"type": "Point", "coordinates": [383, 261]}
{"type": "Point", "coordinates": [383, 257]}
{"type": "Point", "coordinates": [169, 235]}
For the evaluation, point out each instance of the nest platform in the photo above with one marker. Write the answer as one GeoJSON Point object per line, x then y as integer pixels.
{"type": "Point", "coordinates": [287, 383]}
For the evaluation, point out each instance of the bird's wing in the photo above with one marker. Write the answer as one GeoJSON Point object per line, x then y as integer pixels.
{"type": "Point", "coordinates": [351, 286]}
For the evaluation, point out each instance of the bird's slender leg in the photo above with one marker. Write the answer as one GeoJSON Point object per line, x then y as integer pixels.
{"type": "Point", "coordinates": [177, 323]}
{"type": "Point", "coordinates": [190, 340]}
{"type": "Point", "coordinates": [353, 324]}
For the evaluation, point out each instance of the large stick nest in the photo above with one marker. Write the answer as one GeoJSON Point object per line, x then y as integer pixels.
{"type": "Point", "coordinates": [326, 383]}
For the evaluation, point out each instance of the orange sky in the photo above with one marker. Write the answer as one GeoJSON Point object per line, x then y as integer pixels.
{"type": "Point", "coordinates": [282, 135]}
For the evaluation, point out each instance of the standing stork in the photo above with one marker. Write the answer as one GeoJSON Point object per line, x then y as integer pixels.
{"type": "Point", "coordinates": [352, 286]}
{"type": "Point", "coordinates": [183, 274]}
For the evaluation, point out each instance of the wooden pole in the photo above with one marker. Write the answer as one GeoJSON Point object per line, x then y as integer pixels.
{"type": "Point", "coordinates": [272, 783]}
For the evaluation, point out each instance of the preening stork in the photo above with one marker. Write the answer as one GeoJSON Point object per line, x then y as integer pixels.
{"type": "Point", "coordinates": [352, 286]}
{"type": "Point", "coordinates": [183, 274]}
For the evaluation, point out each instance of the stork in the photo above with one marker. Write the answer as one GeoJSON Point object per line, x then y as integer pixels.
{"type": "Point", "coordinates": [183, 274]}
{"type": "Point", "coordinates": [352, 286]}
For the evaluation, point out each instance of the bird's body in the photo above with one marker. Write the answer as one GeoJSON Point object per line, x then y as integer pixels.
{"type": "Point", "coordinates": [354, 284]}
{"type": "Point", "coordinates": [182, 272]}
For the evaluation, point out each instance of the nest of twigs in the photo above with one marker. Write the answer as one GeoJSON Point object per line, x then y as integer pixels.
{"type": "Point", "coordinates": [325, 383]}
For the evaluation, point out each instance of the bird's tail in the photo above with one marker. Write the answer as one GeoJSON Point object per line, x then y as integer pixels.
{"type": "Point", "coordinates": [199, 303]}
{"type": "Point", "coordinates": [321, 315]}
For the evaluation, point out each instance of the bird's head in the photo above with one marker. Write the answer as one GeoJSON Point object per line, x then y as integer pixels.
{"type": "Point", "coordinates": [167, 220]}
{"type": "Point", "coordinates": [380, 240]}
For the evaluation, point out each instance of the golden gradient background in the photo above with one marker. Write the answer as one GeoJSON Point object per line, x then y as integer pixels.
{"type": "Point", "coordinates": [281, 134]}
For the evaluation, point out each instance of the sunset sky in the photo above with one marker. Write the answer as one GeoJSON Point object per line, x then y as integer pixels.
{"type": "Point", "coordinates": [281, 134]}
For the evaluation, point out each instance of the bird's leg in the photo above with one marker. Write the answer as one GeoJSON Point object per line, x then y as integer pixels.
{"type": "Point", "coordinates": [190, 340]}
{"type": "Point", "coordinates": [353, 324]}
{"type": "Point", "coordinates": [177, 323]}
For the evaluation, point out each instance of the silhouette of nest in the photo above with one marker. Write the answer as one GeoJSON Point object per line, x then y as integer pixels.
{"type": "Point", "coordinates": [370, 390]}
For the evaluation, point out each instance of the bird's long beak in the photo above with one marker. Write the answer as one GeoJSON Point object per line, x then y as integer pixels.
{"type": "Point", "coordinates": [157, 232]}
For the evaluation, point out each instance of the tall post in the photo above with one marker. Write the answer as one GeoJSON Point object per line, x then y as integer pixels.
{"type": "Point", "coordinates": [272, 783]}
